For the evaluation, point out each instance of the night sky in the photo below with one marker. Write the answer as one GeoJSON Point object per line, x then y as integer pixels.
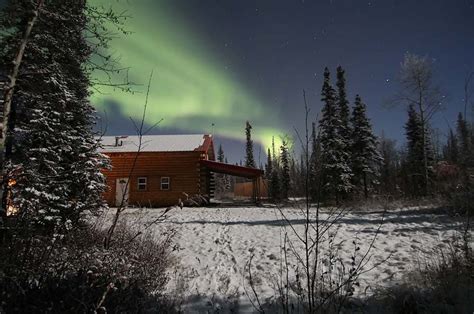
{"type": "Point", "coordinates": [224, 62]}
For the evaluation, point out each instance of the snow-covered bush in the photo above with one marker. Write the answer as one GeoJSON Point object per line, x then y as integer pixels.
{"type": "Point", "coordinates": [73, 273]}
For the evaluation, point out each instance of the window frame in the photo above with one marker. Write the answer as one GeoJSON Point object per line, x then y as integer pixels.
{"type": "Point", "coordinates": [141, 184]}
{"type": "Point", "coordinates": [166, 183]}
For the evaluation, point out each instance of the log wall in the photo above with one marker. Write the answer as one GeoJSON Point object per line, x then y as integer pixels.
{"type": "Point", "coordinates": [182, 168]}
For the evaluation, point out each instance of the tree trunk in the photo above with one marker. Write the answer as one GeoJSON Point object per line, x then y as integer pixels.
{"type": "Point", "coordinates": [423, 143]}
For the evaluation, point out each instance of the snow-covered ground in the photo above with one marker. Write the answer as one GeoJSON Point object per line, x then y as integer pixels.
{"type": "Point", "coordinates": [214, 245]}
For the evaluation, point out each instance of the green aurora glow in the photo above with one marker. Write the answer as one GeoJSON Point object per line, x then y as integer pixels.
{"type": "Point", "coordinates": [190, 89]}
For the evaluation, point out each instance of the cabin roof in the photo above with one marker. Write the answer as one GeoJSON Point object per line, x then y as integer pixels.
{"type": "Point", "coordinates": [232, 170]}
{"type": "Point", "coordinates": [157, 143]}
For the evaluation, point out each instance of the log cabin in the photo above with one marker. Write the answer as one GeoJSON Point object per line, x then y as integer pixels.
{"type": "Point", "coordinates": [164, 170]}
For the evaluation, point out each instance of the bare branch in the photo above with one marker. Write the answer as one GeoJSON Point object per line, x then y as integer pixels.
{"type": "Point", "coordinates": [123, 202]}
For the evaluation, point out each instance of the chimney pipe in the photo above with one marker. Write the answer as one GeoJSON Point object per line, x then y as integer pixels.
{"type": "Point", "coordinates": [118, 142]}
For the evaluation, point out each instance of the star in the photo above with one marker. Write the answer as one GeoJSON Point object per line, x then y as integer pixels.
{"type": "Point", "coordinates": [285, 44]}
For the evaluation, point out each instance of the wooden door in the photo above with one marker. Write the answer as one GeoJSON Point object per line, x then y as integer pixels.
{"type": "Point", "coordinates": [122, 189]}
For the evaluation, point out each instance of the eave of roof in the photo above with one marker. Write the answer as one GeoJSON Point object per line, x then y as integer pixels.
{"type": "Point", "coordinates": [234, 170]}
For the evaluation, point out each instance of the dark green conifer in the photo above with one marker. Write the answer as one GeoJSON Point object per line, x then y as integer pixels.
{"type": "Point", "coordinates": [336, 173]}
{"type": "Point", "coordinates": [365, 158]}
{"type": "Point", "coordinates": [285, 169]}
{"type": "Point", "coordinates": [249, 159]}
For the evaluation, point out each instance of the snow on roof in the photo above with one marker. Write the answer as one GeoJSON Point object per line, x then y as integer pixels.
{"type": "Point", "coordinates": [156, 143]}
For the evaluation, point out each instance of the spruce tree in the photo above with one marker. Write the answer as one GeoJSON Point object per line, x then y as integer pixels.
{"type": "Point", "coordinates": [343, 113]}
{"type": "Point", "coordinates": [274, 187]}
{"type": "Point", "coordinates": [451, 150]}
{"type": "Point", "coordinates": [220, 154]}
{"type": "Point", "coordinates": [365, 157]}
{"type": "Point", "coordinates": [416, 154]}
{"type": "Point", "coordinates": [302, 174]}
{"type": "Point", "coordinates": [389, 168]}
{"type": "Point", "coordinates": [315, 165]}
{"type": "Point", "coordinates": [220, 178]}
{"type": "Point", "coordinates": [249, 160]}
{"type": "Point", "coordinates": [466, 158]}
{"type": "Point", "coordinates": [55, 161]}
{"type": "Point", "coordinates": [268, 166]}
{"type": "Point", "coordinates": [336, 173]}
{"type": "Point", "coordinates": [285, 169]}
{"type": "Point", "coordinates": [344, 128]}
{"type": "Point", "coordinates": [294, 176]}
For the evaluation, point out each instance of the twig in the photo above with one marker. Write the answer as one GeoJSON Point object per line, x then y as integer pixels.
{"type": "Point", "coordinates": [252, 286]}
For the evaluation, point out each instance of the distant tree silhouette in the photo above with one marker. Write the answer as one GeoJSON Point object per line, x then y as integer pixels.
{"type": "Point", "coordinates": [249, 159]}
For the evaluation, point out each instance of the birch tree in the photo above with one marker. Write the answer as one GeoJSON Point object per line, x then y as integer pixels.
{"type": "Point", "coordinates": [419, 89]}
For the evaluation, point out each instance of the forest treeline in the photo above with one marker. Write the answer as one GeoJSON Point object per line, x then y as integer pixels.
{"type": "Point", "coordinates": [347, 161]}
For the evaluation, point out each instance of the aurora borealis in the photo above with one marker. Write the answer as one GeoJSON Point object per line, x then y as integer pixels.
{"type": "Point", "coordinates": [225, 62]}
{"type": "Point", "coordinates": [189, 90]}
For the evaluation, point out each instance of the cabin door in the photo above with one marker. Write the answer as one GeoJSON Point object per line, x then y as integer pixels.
{"type": "Point", "coordinates": [121, 192]}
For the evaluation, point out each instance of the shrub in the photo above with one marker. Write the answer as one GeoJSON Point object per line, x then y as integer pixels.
{"type": "Point", "coordinates": [462, 202]}
{"type": "Point", "coordinates": [73, 273]}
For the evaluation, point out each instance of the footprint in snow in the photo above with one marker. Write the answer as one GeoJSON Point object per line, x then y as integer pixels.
{"type": "Point", "coordinates": [398, 245]}
{"type": "Point", "coordinates": [271, 256]}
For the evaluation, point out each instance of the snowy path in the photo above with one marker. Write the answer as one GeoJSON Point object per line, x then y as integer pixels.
{"type": "Point", "coordinates": [216, 243]}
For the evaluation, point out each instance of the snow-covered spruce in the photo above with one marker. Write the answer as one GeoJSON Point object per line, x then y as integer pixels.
{"type": "Point", "coordinates": [315, 164]}
{"type": "Point", "coordinates": [365, 157]}
{"type": "Point", "coordinates": [249, 159]}
{"type": "Point", "coordinates": [336, 172]}
{"type": "Point", "coordinates": [415, 154]}
{"type": "Point", "coordinates": [285, 169]}
{"type": "Point", "coordinates": [343, 112]}
{"type": "Point", "coordinates": [55, 163]}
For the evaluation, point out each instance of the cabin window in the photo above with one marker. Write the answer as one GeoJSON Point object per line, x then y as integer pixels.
{"type": "Point", "coordinates": [165, 183]}
{"type": "Point", "coordinates": [142, 181]}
